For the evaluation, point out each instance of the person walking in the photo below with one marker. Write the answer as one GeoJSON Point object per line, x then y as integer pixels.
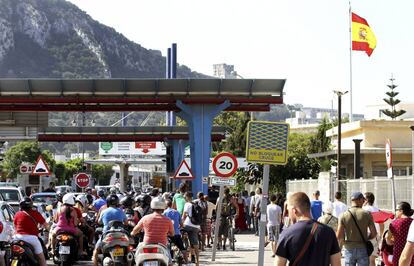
{"type": "Point", "coordinates": [327, 217]}
{"type": "Point", "coordinates": [240, 222]}
{"type": "Point", "coordinates": [338, 206]}
{"type": "Point", "coordinates": [398, 231]}
{"type": "Point", "coordinates": [316, 205]}
{"type": "Point", "coordinates": [203, 226]}
{"type": "Point", "coordinates": [408, 252]}
{"type": "Point", "coordinates": [274, 217]}
{"type": "Point", "coordinates": [256, 209]}
{"type": "Point", "coordinates": [352, 231]}
{"type": "Point", "coordinates": [369, 206]}
{"type": "Point", "coordinates": [306, 242]}
{"type": "Point", "coordinates": [247, 200]}
{"type": "Point", "coordinates": [179, 199]}
{"type": "Point", "coordinates": [190, 228]}
{"type": "Point", "coordinates": [211, 208]}
{"type": "Point", "coordinates": [251, 210]}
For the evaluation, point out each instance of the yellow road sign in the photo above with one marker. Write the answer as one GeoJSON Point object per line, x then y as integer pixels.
{"type": "Point", "coordinates": [267, 142]}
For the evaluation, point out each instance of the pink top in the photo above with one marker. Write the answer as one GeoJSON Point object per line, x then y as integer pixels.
{"type": "Point", "coordinates": [399, 229]}
{"type": "Point", "coordinates": [156, 227]}
{"type": "Point", "coordinates": [63, 224]}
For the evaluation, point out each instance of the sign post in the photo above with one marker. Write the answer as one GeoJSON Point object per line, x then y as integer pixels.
{"type": "Point", "coordinates": [267, 144]}
{"type": "Point", "coordinates": [82, 180]}
{"type": "Point", "coordinates": [224, 165]}
{"type": "Point", "coordinates": [388, 157]}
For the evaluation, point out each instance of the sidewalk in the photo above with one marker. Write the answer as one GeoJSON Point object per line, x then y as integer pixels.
{"type": "Point", "coordinates": [247, 252]}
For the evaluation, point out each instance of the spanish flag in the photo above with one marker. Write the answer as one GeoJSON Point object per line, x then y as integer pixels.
{"type": "Point", "coordinates": [363, 39]}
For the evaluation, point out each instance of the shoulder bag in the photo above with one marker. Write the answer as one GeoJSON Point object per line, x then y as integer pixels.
{"type": "Point", "coordinates": [368, 244]}
{"type": "Point", "coordinates": [306, 245]}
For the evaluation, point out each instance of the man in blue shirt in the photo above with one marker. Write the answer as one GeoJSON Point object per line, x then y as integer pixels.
{"type": "Point", "coordinates": [112, 213]}
{"type": "Point", "coordinates": [175, 216]}
{"type": "Point", "coordinates": [316, 205]}
{"type": "Point", "coordinates": [98, 203]}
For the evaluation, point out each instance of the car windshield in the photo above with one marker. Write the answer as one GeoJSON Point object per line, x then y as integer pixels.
{"type": "Point", "coordinates": [10, 195]}
{"type": "Point", "coordinates": [48, 199]}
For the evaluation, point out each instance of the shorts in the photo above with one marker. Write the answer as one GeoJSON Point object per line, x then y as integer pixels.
{"type": "Point", "coordinates": [178, 242]}
{"type": "Point", "coordinates": [33, 241]}
{"type": "Point", "coordinates": [209, 227]}
{"type": "Point", "coordinates": [224, 227]}
{"type": "Point", "coordinates": [204, 228]}
{"type": "Point", "coordinates": [192, 234]}
{"type": "Point", "coordinates": [273, 231]}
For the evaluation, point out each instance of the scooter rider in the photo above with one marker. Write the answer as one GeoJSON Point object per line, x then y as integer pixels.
{"type": "Point", "coordinates": [156, 226]}
{"type": "Point", "coordinates": [26, 223]}
{"type": "Point", "coordinates": [112, 213]}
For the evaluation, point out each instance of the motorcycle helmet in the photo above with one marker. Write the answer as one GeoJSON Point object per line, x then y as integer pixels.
{"type": "Point", "coordinates": [26, 203]}
{"type": "Point", "coordinates": [146, 200]}
{"type": "Point", "coordinates": [157, 204]}
{"type": "Point", "coordinates": [82, 200]}
{"type": "Point", "coordinates": [127, 202]}
{"type": "Point", "coordinates": [112, 191]}
{"type": "Point", "coordinates": [101, 193]}
{"type": "Point", "coordinates": [89, 198]}
{"type": "Point", "coordinates": [112, 200]}
{"type": "Point", "coordinates": [69, 199]}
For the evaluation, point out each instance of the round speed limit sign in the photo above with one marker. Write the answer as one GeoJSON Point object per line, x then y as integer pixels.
{"type": "Point", "coordinates": [225, 164]}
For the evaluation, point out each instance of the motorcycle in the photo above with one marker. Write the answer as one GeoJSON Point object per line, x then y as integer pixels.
{"type": "Point", "coordinates": [22, 254]}
{"type": "Point", "coordinates": [66, 250]}
{"type": "Point", "coordinates": [151, 255]}
{"type": "Point", "coordinates": [117, 248]}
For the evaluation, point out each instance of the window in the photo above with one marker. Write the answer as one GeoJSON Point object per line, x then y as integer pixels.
{"type": "Point", "coordinates": [10, 195]}
{"type": "Point", "coordinates": [6, 214]}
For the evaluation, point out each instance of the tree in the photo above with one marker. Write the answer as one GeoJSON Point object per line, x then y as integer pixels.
{"type": "Point", "coordinates": [391, 101]}
{"type": "Point", "coordinates": [60, 172]}
{"type": "Point", "coordinates": [25, 151]}
{"type": "Point", "coordinates": [102, 173]}
{"type": "Point", "coordinates": [72, 167]}
{"type": "Point", "coordinates": [320, 142]}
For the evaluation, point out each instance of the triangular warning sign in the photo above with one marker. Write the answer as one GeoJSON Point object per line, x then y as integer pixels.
{"type": "Point", "coordinates": [183, 171]}
{"type": "Point", "coordinates": [41, 167]}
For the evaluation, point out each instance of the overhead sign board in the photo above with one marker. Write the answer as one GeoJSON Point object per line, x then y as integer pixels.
{"type": "Point", "coordinates": [218, 181]}
{"type": "Point", "coordinates": [132, 148]}
{"type": "Point", "coordinates": [225, 164]}
{"type": "Point", "coordinates": [267, 142]}
{"type": "Point", "coordinates": [183, 171]}
{"type": "Point", "coordinates": [40, 167]}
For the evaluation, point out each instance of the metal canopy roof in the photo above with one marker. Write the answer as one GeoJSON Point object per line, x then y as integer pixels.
{"type": "Point", "coordinates": [137, 94]}
{"type": "Point", "coordinates": [94, 134]}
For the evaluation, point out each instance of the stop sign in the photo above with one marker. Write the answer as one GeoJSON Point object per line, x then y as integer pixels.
{"type": "Point", "coordinates": [82, 180]}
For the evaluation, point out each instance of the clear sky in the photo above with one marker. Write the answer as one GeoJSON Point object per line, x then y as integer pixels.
{"type": "Point", "coordinates": [305, 41]}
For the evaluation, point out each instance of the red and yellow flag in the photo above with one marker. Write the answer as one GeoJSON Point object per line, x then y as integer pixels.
{"type": "Point", "coordinates": [363, 39]}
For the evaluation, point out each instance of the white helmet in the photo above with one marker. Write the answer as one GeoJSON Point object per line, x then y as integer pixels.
{"type": "Point", "coordinates": [68, 199]}
{"type": "Point", "coordinates": [82, 199]}
{"type": "Point", "coordinates": [157, 204]}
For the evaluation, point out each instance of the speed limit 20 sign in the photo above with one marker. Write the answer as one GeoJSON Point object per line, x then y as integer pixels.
{"type": "Point", "coordinates": [225, 164]}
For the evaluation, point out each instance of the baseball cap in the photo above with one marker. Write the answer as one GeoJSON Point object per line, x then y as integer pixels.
{"type": "Point", "coordinates": [357, 196]}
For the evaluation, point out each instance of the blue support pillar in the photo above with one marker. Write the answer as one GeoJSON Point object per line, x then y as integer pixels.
{"type": "Point", "coordinates": [200, 122]}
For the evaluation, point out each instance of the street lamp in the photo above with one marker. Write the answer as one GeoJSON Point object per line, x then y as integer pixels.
{"type": "Point", "coordinates": [338, 154]}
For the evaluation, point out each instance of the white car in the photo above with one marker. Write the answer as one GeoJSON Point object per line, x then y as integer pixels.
{"type": "Point", "coordinates": [12, 195]}
{"type": "Point", "coordinates": [64, 189]}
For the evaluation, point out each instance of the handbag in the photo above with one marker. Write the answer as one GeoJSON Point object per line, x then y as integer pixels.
{"type": "Point", "coordinates": [306, 245]}
{"type": "Point", "coordinates": [368, 244]}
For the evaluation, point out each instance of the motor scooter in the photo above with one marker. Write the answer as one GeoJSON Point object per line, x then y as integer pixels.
{"type": "Point", "coordinates": [117, 246]}
{"type": "Point", "coordinates": [151, 255]}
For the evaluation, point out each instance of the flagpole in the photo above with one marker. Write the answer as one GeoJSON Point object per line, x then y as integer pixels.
{"type": "Point", "coordinates": [351, 118]}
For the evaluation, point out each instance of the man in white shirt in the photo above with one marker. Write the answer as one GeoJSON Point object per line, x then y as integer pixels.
{"type": "Point", "coordinates": [338, 206]}
{"type": "Point", "coordinates": [189, 227]}
{"type": "Point", "coordinates": [274, 217]}
{"type": "Point", "coordinates": [408, 251]}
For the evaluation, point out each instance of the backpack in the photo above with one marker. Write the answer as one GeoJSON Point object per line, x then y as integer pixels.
{"type": "Point", "coordinates": [196, 214]}
{"type": "Point", "coordinates": [227, 207]}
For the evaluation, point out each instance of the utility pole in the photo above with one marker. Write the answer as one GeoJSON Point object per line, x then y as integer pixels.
{"type": "Point", "coordinates": [338, 154]}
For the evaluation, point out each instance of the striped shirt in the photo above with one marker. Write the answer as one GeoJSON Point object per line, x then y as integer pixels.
{"type": "Point", "coordinates": [156, 228]}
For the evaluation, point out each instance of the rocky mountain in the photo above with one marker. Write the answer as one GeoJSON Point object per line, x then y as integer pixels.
{"type": "Point", "coordinates": [55, 39]}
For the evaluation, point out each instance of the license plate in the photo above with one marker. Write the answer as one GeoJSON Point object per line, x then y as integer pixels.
{"type": "Point", "coordinates": [64, 250]}
{"type": "Point", "coordinates": [151, 263]}
{"type": "Point", "coordinates": [118, 252]}
{"type": "Point", "coordinates": [14, 262]}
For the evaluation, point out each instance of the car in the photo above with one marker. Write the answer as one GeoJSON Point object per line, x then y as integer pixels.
{"type": "Point", "coordinates": [6, 227]}
{"type": "Point", "coordinates": [12, 195]}
{"type": "Point", "coordinates": [48, 198]}
{"type": "Point", "coordinates": [63, 189]}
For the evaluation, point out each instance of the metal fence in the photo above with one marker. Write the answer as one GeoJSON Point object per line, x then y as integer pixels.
{"type": "Point", "coordinates": [380, 186]}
